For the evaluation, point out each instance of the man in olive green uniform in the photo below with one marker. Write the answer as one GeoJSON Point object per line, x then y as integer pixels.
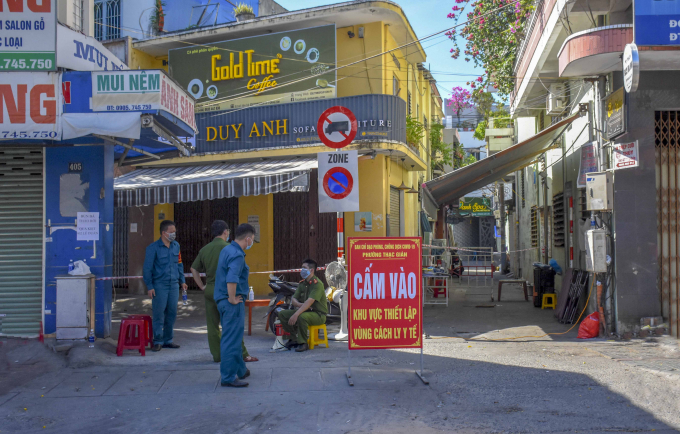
{"type": "Point", "coordinates": [312, 307]}
{"type": "Point", "coordinates": [206, 262]}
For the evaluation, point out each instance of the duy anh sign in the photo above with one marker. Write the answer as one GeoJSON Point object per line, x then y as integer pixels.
{"type": "Point", "coordinates": [385, 293]}
{"type": "Point", "coordinates": [297, 65]}
{"type": "Point", "coordinates": [28, 35]}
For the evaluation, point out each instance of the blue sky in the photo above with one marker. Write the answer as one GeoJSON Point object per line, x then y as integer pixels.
{"type": "Point", "coordinates": [426, 17]}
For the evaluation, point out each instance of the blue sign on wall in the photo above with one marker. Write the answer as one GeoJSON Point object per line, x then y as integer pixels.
{"type": "Point", "coordinates": [657, 22]}
{"type": "Point", "coordinates": [379, 118]}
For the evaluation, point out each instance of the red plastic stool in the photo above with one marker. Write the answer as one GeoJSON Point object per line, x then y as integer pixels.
{"type": "Point", "coordinates": [148, 328]}
{"type": "Point", "coordinates": [131, 336]}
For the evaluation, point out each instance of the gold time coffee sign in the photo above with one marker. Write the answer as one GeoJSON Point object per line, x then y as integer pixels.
{"type": "Point", "coordinates": [278, 68]}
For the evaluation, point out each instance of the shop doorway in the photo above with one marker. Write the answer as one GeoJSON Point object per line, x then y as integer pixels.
{"type": "Point", "coordinates": [667, 150]}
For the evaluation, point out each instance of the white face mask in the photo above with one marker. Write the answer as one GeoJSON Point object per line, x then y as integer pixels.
{"type": "Point", "coordinates": [171, 237]}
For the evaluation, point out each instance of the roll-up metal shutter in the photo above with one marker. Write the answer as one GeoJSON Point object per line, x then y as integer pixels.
{"type": "Point", "coordinates": [395, 211]}
{"type": "Point", "coordinates": [21, 246]}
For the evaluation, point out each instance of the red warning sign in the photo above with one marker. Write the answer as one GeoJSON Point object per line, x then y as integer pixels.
{"type": "Point", "coordinates": [337, 127]}
{"type": "Point", "coordinates": [338, 182]}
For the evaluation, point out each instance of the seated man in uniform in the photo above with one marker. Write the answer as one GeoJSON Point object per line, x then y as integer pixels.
{"type": "Point", "coordinates": [311, 304]}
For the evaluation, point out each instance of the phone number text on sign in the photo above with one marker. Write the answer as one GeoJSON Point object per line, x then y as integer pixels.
{"type": "Point", "coordinates": [385, 293]}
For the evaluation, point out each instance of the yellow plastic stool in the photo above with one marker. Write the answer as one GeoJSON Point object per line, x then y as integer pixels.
{"type": "Point", "coordinates": [552, 303]}
{"type": "Point", "coordinates": [314, 339]}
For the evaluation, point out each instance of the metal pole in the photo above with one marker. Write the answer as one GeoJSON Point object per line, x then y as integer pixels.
{"type": "Point", "coordinates": [504, 258]}
{"type": "Point", "coordinates": [420, 373]}
{"type": "Point", "coordinates": [545, 210]}
{"type": "Point", "coordinates": [349, 366]}
{"type": "Point", "coordinates": [341, 234]}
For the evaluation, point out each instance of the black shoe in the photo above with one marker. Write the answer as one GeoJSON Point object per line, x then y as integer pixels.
{"type": "Point", "coordinates": [170, 345]}
{"type": "Point", "coordinates": [291, 344]}
{"type": "Point", "coordinates": [246, 375]}
{"type": "Point", "coordinates": [156, 347]}
{"type": "Point", "coordinates": [235, 383]}
{"type": "Point", "coordinates": [302, 348]}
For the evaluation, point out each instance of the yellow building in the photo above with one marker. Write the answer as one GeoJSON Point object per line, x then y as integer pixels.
{"type": "Point", "coordinates": [378, 58]}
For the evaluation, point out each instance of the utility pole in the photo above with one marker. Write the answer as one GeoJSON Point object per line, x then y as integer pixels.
{"type": "Point", "coordinates": [546, 241]}
{"type": "Point", "coordinates": [501, 195]}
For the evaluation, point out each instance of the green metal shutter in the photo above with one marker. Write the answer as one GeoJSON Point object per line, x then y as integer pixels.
{"type": "Point", "coordinates": [21, 245]}
{"type": "Point", "coordinates": [395, 208]}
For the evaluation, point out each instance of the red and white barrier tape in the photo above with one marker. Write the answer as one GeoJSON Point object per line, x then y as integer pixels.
{"type": "Point", "coordinates": [475, 251]}
{"type": "Point", "coordinates": [203, 274]}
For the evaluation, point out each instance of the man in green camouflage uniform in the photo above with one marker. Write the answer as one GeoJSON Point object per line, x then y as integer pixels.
{"type": "Point", "coordinates": [312, 307]}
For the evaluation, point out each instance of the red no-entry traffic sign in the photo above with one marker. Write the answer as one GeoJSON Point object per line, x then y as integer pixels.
{"type": "Point", "coordinates": [337, 127]}
{"type": "Point", "coordinates": [338, 183]}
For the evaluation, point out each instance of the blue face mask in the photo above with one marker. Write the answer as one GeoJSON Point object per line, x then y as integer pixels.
{"type": "Point", "coordinates": [305, 273]}
{"type": "Point", "coordinates": [250, 245]}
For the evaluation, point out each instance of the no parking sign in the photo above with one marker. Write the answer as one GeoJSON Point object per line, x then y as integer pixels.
{"type": "Point", "coordinates": [338, 181]}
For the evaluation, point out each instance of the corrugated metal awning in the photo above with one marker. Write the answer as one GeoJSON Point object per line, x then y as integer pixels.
{"type": "Point", "coordinates": [452, 186]}
{"type": "Point", "coordinates": [193, 183]}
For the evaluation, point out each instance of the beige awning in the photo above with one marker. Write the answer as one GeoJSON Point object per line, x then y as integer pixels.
{"type": "Point", "coordinates": [454, 185]}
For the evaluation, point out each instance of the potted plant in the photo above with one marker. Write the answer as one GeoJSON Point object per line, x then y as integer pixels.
{"type": "Point", "coordinates": [244, 12]}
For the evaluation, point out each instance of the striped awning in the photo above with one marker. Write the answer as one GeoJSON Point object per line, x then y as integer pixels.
{"type": "Point", "coordinates": [193, 183]}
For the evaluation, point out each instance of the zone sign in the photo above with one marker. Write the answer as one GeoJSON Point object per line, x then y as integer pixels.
{"type": "Point", "coordinates": [338, 181]}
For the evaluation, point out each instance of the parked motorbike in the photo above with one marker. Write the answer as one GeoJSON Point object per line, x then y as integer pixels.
{"type": "Point", "coordinates": [283, 300]}
{"type": "Point", "coordinates": [283, 296]}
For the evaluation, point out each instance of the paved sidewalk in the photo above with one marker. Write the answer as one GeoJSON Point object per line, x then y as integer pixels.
{"type": "Point", "coordinates": [481, 386]}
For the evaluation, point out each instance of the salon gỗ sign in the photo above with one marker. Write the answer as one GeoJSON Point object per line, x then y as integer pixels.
{"type": "Point", "coordinates": [276, 68]}
{"type": "Point", "coordinates": [385, 293]}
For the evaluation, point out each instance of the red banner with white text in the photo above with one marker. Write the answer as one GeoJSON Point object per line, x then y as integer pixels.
{"type": "Point", "coordinates": [385, 293]}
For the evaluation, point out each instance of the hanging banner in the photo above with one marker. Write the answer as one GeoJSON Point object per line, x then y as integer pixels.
{"type": "Point", "coordinates": [28, 35]}
{"type": "Point", "coordinates": [385, 293]}
{"type": "Point", "coordinates": [30, 105]}
{"type": "Point", "coordinates": [139, 90]}
{"type": "Point", "coordinates": [626, 155]}
{"type": "Point", "coordinates": [588, 163]}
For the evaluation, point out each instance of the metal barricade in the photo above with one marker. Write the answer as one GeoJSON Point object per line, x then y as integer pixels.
{"type": "Point", "coordinates": [477, 267]}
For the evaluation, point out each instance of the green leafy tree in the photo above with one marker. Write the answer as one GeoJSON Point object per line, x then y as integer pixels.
{"type": "Point", "coordinates": [441, 152]}
{"type": "Point", "coordinates": [492, 33]}
{"type": "Point", "coordinates": [415, 132]}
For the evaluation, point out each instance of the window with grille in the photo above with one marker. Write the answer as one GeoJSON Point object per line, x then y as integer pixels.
{"type": "Point", "coordinates": [106, 19]}
{"type": "Point", "coordinates": [425, 121]}
{"type": "Point", "coordinates": [408, 101]}
{"type": "Point", "coordinates": [559, 224]}
{"type": "Point", "coordinates": [78, 15]}
{"type": "Point", "coordinates": [395, 86]}
{"type": "Point", "coordinates": [534, 226]}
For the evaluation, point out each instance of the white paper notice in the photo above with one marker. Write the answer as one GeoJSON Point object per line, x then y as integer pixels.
{"type": "Point", "coordinates": [88, 226]}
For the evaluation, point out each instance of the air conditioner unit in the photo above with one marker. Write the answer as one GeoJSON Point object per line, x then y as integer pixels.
{"type": "Point", "coordinates": [555, 103]}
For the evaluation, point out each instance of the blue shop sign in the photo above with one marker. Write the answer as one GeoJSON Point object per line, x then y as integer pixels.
{"type": "Point", "coordinates": [379, 118]}
{"type": "Point", "coordinates": [657, 22]}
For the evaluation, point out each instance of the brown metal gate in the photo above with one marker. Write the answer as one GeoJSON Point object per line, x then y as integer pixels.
{"type": "Point", "coordinates": [193, 221]}
{"type": "Point", "coordinates": [300, 231]}
{"type": "Point", "coordinates": [667, 137]}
